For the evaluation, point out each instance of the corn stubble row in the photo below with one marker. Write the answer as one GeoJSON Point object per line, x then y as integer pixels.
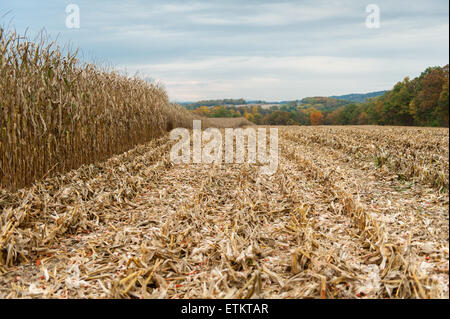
{"type": "Point", "coordinates": [419, 154]}
{"type": "Point", "coordinates": [58, 114]}
{"type": "Point", "coordinates": [328, 224]}
{"type": "Point", "coordinates": [400, 226]}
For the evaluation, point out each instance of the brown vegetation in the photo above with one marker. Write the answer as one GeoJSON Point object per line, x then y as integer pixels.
{"type": "Point", "coordinates": [58, 114]}
{"type": "Point", "coordinates": [340, 219]}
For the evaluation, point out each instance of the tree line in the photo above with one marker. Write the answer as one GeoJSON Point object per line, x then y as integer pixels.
{"type": "Point", "coordinates": [422, 101]}
{"type": "Point", "coordinates": [224, 102]}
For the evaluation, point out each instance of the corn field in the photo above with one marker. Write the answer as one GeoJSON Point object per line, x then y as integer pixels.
{"type": "Point", "coordinates": [91, 205]}
{"type": "Point", "coordinates": [58, 114]}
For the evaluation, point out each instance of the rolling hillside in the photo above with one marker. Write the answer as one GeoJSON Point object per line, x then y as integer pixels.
{"type": "Point", "coordinates": [356, 97]}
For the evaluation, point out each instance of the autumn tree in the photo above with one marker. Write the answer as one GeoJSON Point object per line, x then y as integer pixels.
{"type": "Point", "coordinates": [363, 120]}
{"type": "Point", "coordinates": [316, 118]}
{"type": "Point", "coordinates": [424, 103]}
{"type": "Point", "coordinates": [249, 116]}
{"type": "Point", "coordinates": [442, 109]}
{"type": "Point", "coordinates": [202, 111]}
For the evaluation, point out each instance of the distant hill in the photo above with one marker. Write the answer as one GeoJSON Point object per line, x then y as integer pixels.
{"type": "Point", "coordinates": [262, 102]}
{"type": "Point", "coordinates": [323, 103]}
{"type": "Point", "coordinates": [193, 106]}
{"type": "Point", "coordinates": [356, 97]}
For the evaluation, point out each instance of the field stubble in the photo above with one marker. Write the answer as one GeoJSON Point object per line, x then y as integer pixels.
{"type": "Point", "coordinates": [333, 222]}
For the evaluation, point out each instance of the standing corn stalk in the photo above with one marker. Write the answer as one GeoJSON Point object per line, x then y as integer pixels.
{"type": "Point", "coordinates": [58, 114]}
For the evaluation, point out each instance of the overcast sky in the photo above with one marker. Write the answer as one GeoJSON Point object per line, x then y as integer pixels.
{"type": "Point", "coordinates": [271, 50]}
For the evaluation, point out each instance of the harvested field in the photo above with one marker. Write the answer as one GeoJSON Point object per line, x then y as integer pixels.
{"type": "Point", "coordinates": [353, 212]}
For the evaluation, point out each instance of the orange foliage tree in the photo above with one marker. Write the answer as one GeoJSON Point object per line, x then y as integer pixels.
{"type": "Point", "coordinates": [316, 118]}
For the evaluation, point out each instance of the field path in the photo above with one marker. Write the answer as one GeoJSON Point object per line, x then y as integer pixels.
{"type": "Point", "coordinates": [328, 224]}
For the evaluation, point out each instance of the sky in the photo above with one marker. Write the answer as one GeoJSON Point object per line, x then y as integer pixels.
{"type": "Point", "coordinates": [251, 49]}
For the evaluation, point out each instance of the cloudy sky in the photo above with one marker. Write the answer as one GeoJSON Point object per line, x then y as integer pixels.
{"type": "Point", "coordinates": [252, 49]}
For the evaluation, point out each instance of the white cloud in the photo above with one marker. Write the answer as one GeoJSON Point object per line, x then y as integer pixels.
{"type": "Point", "coordinates": [260, 49]}
{"type": "Point", "coordinates": [276, 78]}
{"type": "Point", "coordinates": [140, 32]}
{"type": "Point", "coordinates": [273, 14]}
